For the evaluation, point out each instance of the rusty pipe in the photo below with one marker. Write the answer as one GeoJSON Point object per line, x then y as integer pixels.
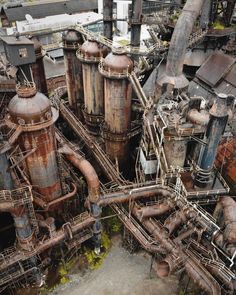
{"type": "Point", "coordinates": [196, 271]}
{"type": "Point", "coordinates": [86, 169]}
{"type": "Point", "coordinates": [202, 277]}
{"type": "Point", "coordinates": [198, 117]}
{"type": "Point", "coordinates": [156, 210]}
{"type": "Point", "coordinates": [135, 194]}
{"type": "Point", "coordinates": [41, 203]}
{"type": "Point", "coordinates": [229, 209]}
{"type": "Point", "coordinates": [219, 273]}
{"type": "Point", "coordinates": [168, 265]}
{"type": "Point", "coordinates": [174, 221]}
{"type": "Point", "coordinates": [178, 45]}
{"type": "Point", "coordinates": [41, 246]}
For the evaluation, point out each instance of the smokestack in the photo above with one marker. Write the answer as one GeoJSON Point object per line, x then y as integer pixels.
{"type": "Point", "coordinates": [107, 18]}
{"type": "Point", "coordinates": [214, 132]}
{"type": "Point", "coordinates": [136, 22]}
{"type": "Point", "coordinates": [38, 68]}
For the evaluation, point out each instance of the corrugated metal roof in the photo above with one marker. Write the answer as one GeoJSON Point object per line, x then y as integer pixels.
{"type": "Point", "coordinates": [215, 68]}
{"type": "Point", "coordinates": [231, 76]}
{"type": "Point", "coordinates": [42, 9]}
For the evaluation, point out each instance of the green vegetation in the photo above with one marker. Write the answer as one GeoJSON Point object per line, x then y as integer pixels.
{"type": "Point", "coordinates": [94, 260]}
{"type": "Point", "coordinates": [217, 25]}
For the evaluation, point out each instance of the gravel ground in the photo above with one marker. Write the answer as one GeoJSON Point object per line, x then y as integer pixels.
{"type": "Point", "coordinates": [120, 274]}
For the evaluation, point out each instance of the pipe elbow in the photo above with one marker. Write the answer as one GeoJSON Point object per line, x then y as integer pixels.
{"type": "Point", "coordinates": [87, 170]}
{"type": "Point", "coordinates": [198, 117]}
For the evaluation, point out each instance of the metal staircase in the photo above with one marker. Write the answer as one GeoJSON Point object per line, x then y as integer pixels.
{"type": "Point", "coordinates": [21, 197]}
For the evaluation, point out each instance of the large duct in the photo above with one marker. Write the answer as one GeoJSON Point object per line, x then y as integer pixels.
{"type": "Point", "coordinates": [178, 45]}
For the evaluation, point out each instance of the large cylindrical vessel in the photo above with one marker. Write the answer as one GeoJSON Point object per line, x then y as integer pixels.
{"type": "Point", "coordinates": [38, 68]}
{"type": "Point", "coordinates": [117, 92]}
{"type": "Point", "coordinates": [90, 55]}
{"type": "Point", "coordinates": [74, 80]}
{"type": "Point", "coordinates": [32, 111]}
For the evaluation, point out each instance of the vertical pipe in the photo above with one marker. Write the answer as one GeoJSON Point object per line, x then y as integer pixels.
{"type": "Point", "coordinates": [205, 15]}
{"type": "Point", "coordinates": [74, 78]}
{"type": "Point", "coordinates": [107, 18]}
{"type": "Point", "coordinates": [34, 113]}
{"type": "Point", "coordinates": [214, 132]}
{"type": "Point", "coordinates": [38, 68]}
{"type": "Point", "coordinates": [136, 22]}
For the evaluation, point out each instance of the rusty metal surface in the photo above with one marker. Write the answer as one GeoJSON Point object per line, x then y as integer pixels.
{"type": "Point", "coordinates": [35, 109]}
{"type": "Point", "coordinates": [90, 54]}
{"type": "Point", "coordinates": [215, 68]}
{"type": "Point", "coordinates": [87, 170]}
{"type": "Point", "coordinates": [72, 38]}
{"type": "Point", "coordinates": [117, 116]}
{"type": "Point", "coordinates": [175, 151]}
{"type": "Point", "coordinates": [92, 48]}
{"type": "Point", "coordinates": [73, 67]}
{"type": "Point", "coordinates": [226, 161]}
{"type": "Point", "coordinates": [229, 209]}
{"type": "Point", "coordinates": [118, 63]}
{"type": "Point", "coordinates": [42, 162]}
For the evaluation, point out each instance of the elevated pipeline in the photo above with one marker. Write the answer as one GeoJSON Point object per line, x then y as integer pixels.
{"type": "Point", "coordinates": [229, 209]}
{"type": "Point", "coordinates": [135, 193]}
{"type": "Point", "coordinates": [59, 236]}
{"type": "Point", "coordinates": [196, 271]}
{"type": "Point", "coordinates": [46, 205]}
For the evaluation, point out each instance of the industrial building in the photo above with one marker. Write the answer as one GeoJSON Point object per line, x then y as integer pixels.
{"type": "Point", "coordinates": [131, 108]}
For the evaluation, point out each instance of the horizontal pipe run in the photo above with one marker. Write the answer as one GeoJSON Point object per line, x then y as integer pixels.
{"type": "Point", "coordinates": [59, 236]}
{"type": "Point", "coordinates": [41, 203]}
{"type": "Point", "coordinates": [196, 271]}
{"type": "Point", "coordinates": [135, 194]}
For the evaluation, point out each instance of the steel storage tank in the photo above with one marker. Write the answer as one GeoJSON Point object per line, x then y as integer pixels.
{"type": "Point", "coordinates": [74, 80]}
{"type": "Point", "coordinates": [90, 55]}
{"type": "Point", "coordinates": [38, 68]}
{"type": "Point", "coordinates": [117, 92]}
{"type": "Point", "coordinates": [32, 111]}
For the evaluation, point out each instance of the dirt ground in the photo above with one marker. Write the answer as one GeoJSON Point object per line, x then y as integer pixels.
{"type": "Point", "coordinates": [121, 273]}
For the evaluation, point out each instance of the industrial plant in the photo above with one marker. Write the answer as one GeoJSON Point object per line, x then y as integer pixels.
{"type": "Point", "coordinates": [120, 109]}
